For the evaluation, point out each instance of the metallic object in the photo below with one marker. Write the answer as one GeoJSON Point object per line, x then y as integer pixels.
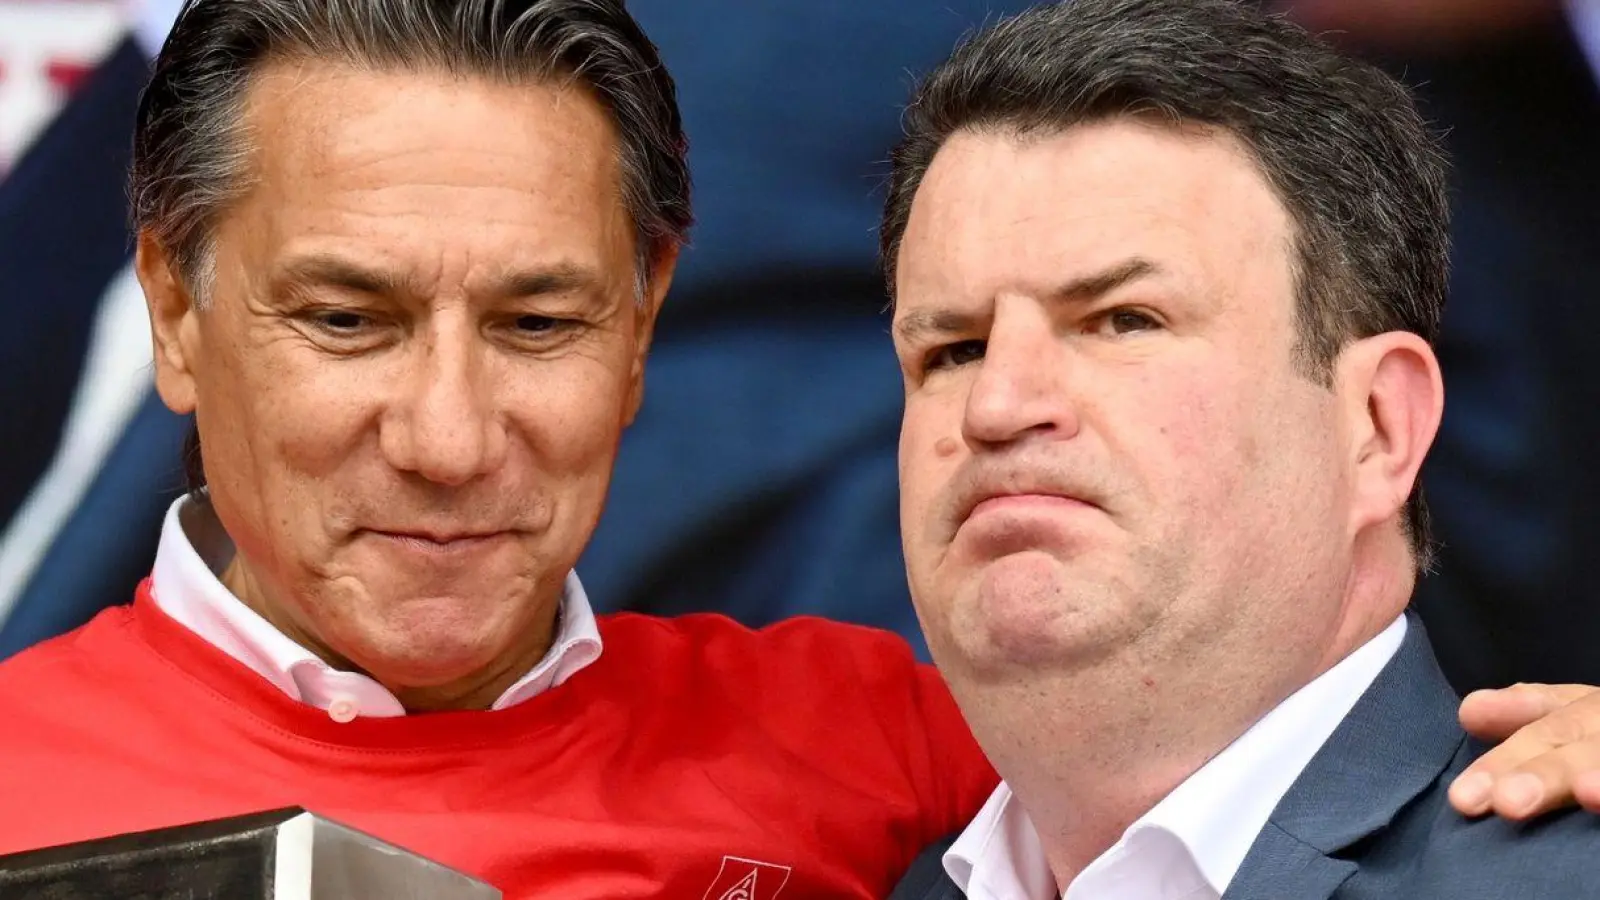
{"type": "Point", "coordinates": [285, 854]}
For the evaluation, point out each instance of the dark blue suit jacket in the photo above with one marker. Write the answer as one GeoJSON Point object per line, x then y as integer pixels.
{"type": "Point", "coordinates": [1368, 818]}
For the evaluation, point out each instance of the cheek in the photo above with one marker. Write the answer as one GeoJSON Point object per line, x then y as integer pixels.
{"type": "Point", "coordinates": [1235, 449]}
{"type": "Point", "coordinates": [931, 452]}
{"type": "Point", "coordinates": [269, 415]}
{"type": "Point", "coordinates": [311, 420]}
{"type": "Point", "coordinates": [1202, 440]}
{"type": "Point", "coordinates": [275, 454]}
{"type": "Point", "coordinates": [925, 462]}
{"type": "Point", "coordinates": [571, 416]}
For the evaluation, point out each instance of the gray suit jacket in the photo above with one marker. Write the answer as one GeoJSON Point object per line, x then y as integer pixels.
{"type": "Point", "coordinates": [1368, 818]}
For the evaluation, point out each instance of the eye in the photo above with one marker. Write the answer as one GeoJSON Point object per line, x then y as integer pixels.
{"type": "Point", "coordinates": [957, 354]}
{"type": "Point", "coordinates": [1126, 321]}
{"type": "Point", "coordinates": [536, 332]}
{"type": "Point", "coordinates": [347, 331]}
{"type": "Point", "coordinates": [339, 321]}
{"type": "Point", "coordinates": [532, 324]}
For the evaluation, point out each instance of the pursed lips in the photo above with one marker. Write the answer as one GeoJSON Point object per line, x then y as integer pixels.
{"type": "Point", "coordinates": [1031, 497]}
{"type": "Point", "coordinates": [1025, 500]}
{"type": "Point", "coordinates": [440, 540]}
{"type": "Point", "coordinates": [990, 514]}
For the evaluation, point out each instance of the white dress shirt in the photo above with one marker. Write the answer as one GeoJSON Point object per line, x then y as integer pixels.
{"type": "Point", "coordinates": [1189, 845]}
{"type": "Point", "coordinates": [185, 584]}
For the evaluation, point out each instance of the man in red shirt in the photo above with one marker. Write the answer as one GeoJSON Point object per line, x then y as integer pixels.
{"type": "Point", "coordinates": [403, 261]}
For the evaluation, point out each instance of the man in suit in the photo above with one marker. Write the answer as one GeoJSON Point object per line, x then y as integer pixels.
{"type": "Point", "coordinates": [1167, 277]}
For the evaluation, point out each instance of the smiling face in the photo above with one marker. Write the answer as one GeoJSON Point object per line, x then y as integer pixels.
{"type": "Point", "coordinates": [421, 347]}
{"type": "Point", "coordinates": [1108, 449]}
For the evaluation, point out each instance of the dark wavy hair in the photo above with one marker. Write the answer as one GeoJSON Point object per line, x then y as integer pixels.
{"type": "Point", "coordinates": [1341, 142]}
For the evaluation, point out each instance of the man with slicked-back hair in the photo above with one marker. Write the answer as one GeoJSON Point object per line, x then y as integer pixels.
{"type": "Point", "coordinates": [403, 261]}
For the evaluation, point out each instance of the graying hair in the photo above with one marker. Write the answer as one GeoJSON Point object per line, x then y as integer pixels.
{"type": "Point", "coordinates": [191, 153]}
{"type": "Point", "coordinates": [1341, 143]}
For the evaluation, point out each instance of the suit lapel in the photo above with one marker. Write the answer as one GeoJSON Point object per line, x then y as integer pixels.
{"type": "Point", "coordinates": [1281, 865]}
{"type": "Point", "coordinates": [927, 880]}
{"type": "Point", "coordinates": [1393, 745]}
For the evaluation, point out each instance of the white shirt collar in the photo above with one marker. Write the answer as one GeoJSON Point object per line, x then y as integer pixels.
{"type": "Point", "coordinates": [1191, 843]}
{"type": "Point", "coordinates": [185, 585]}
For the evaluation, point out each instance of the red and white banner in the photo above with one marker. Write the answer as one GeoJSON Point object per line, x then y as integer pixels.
{"type": "Point", "coordinates": [46, 48]}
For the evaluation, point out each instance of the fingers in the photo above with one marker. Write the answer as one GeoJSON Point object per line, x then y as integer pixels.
{"type": "Point", "coordinates": [1560, 778]}
{"type": "Point", "coordinates": [1552, 761]}
{"type": "Point", "coordinates": [1587, 791]}
{"type": "Point", "coordinates": [1496, 715]}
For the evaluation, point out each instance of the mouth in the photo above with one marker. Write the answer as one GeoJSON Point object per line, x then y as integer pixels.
{"type": "Point", "coordinates": [1004, 523]}
{"type": "Point", "coordinates": [441, 542]}
{"type": "Point", "coordinates": [1022, 502]}
{"type": "Point", "coordinates": [1043, 501]}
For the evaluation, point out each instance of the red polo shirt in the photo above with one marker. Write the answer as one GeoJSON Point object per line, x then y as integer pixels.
{"type": "Point", "coordinates": [808, 759]}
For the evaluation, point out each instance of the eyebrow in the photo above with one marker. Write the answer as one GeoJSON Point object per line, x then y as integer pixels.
{"type": "Point", "coordinates": [926, 323]}
{"type": "Point", "coordinates": [562, 278]}
{"type": "Point", "coordinates": [1098, 284]}
{"type": "Point", "coordinates": [337, 272]}
{"type": "Point", "coordinates": [332, 271]}
{"type": "Point", "coordinates": [1079, 290]}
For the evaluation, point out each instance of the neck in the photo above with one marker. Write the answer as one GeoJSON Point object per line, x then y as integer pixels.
{"type": "Point", "coordinates": [476, 690]}
{"type": "Point", "coordinates": [1088, 751]}
{"type": "Point", "coordinates": [1105, 748]}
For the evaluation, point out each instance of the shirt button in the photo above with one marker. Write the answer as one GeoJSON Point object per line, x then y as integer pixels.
{"type": "Point", "coordinates": [342, 709]}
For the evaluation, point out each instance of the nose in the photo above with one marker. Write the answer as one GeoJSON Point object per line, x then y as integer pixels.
{"type": "Point", "coordinates": [1022, 387]}
{"type": "Point", "coordinates": [446, 427]}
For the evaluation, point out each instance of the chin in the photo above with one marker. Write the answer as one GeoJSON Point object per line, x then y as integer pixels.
{"type": "Point", "coordinates": [1027, 613]}
{"type": "Point", "coordinates": [430, 640]}
{"type": "Point", "coordinates": [421, 661]}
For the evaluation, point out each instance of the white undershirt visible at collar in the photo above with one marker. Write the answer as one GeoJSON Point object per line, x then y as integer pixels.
{"type": "Point", "coordinates": [1190, 845]}
{"type": "Point", "coordinates": [185, 585]}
